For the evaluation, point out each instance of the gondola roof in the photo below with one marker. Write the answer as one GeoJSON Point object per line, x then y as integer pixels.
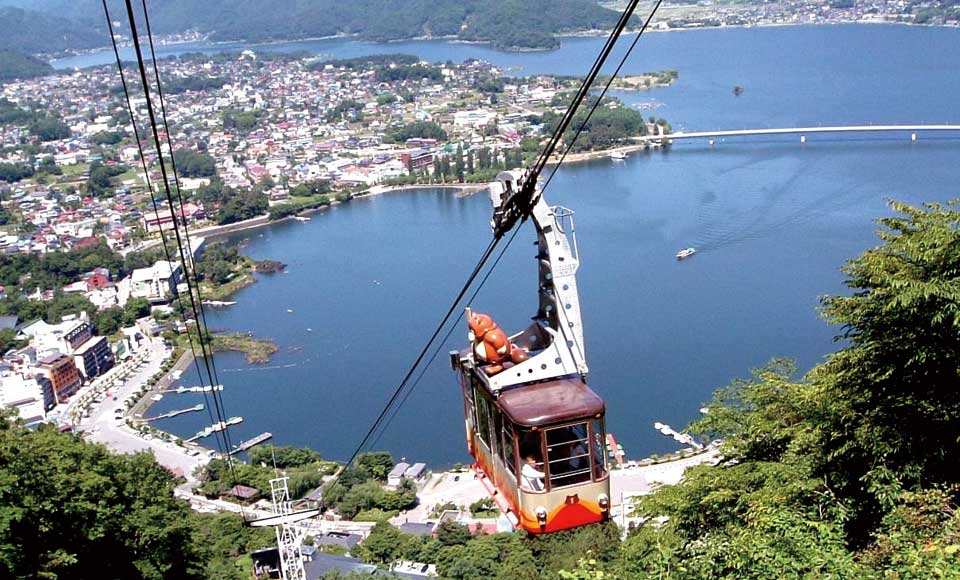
{"type": "Point", "coordinates": [550, 402]}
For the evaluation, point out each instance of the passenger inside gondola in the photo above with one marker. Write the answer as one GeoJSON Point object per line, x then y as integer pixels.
{"type": "Point", "coordinates": [568, 455]}
{"type": "Point", "coordinates": [531, 474]}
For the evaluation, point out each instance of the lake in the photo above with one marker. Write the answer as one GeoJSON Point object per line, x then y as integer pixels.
{"type": "Point", "coordinates": [773, 221]}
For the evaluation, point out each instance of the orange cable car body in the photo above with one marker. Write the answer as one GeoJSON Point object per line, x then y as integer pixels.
{"type": "Point", "coordinates": [534, 427]}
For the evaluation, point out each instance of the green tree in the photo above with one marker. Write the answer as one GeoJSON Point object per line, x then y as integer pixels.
{"type": "Point", "coordinates": [191, 163]}
{"type": "Point", "coordinates": [458, 167]}
{"type": "Point", "coordinates": [900, 369]}
{"type": "Point", "coordinates": [283, 457]}
{"type": "Point", "coordinates": [383, 546]}
{"type": "Point", "coordinates": [453, 534]}
{"type": "Point", "coordinates": [100, 182]}
{"type": "Point", "coordinates": [109, 320]}
{"type": "Point", "coordinates": [223, 540]}
{"type": "Point", "coordinates": [417, 129]}
{"type": "Point", "coordinates": [377, 463]}
{"type": "Point", "coordinates": [819, 477]}
{"type": "Point", "coordinates": [49, 129]}
{"type": "Point", "coordinates": [134, 309]}
{"type": "Point", "coordinates": [13, 172]}
{"type": "Point", "coordinates": [73, 510]}
{"type": "Point", "coordinates": [8, 340]}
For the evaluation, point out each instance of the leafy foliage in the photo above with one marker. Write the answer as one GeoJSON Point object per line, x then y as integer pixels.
{"type": "Point", "coordinates": [177, 84]}
{"type": "Point", "coordinates": [849, 472]}
{"type": "Point", "coordinates": [191, 163]}
{"type": "Point", "coordinates": [223, 539]}
{"type": "Point", "coordinates": [467, 19]}
{"type": "Point", "coordinates": [216, 478]}
{"type": "Point", "coordinates": [611, 124]}
{"type": "Point", "coordinates": [48, 128]}
{"type": "Point", "coordinates": [16, 65]}
{"type": "Point", "coordinates": [417, 129]}
{"type": "Point", "coordinates": [14, 172]}
{"type": "Point", "coordinates": [233, 205]}
{"type": "Point", "coordinates": [33, 31]}
{"type": "Point", "coordinates": [100, 182]}
{"type": "Point", "coordinates": [73, 510]}
{"type": "Point", "coordinates": [283, 457]}
{"type": "Point", "coordinates": [107, 138]}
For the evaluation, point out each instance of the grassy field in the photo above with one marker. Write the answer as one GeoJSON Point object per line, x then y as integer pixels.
{"type": "Point", "coordinates": [223, 291]}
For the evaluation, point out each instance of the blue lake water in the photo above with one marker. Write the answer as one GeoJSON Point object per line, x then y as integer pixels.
{"type": "Point", "coordinates": [773, 221]}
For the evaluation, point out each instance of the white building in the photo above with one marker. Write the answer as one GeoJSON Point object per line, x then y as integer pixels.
{"type": "Point", "coordinates": [26, 396]}
{"type": "Point", "coordinates": [474, 118]}
{"type": "Point", "coordinates": [157, 283]}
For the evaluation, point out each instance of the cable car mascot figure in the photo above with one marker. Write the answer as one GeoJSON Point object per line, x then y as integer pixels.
{"type": "Point", "coordinates": [491, 345]}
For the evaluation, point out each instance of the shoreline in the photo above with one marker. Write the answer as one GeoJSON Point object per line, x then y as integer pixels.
{"type": "Point", "coordinates": [594, 155]}
{"type": "Point", "coordinates": [211, 232]}
{"type": "Point", "coordinates": [213, 44]}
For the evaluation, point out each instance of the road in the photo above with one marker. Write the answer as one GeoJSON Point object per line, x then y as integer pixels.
{"type": "Point", "coordinates": [463, 489]}
{"type": "Point", "coordinates": [105, 425]}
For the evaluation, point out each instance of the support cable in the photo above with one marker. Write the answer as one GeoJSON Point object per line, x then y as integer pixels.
{"type": "Point", "coordinates": [146, 174]}
{"type": "Point", "coordinates": [396, 393]}
{"type": "Point", "coordinates": [518, 207]}
{"type": "Point", "coordinates": [180, 245]}
{"type": "Point", "coordinates": [446, 337]}
{"type": "Point", "coordinates": [603, 93]}
{"type": "Point", "coordinates": [210, 361]}
{"type": "Point", "coordinates": [585, 88]}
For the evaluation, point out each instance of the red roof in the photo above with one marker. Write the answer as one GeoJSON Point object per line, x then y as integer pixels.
{"type": "Point", "coordinates": [97, 281]}
{"type": "Point", "coordinates": [86, 242]}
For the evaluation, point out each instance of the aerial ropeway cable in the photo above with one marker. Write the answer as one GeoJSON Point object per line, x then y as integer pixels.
{"type": "Point", "coordinates": [150, 189]}
{"type": "Point", "coordinates": [222, 436]}
{"type": "Point", "coordinates": [519, 207]}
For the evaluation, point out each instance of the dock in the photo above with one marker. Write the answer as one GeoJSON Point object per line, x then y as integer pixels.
{"type": "Point", "coordinates": [198, 389]}
{"type": "Point", "coordinates": [175, 413]}
{"type": "Point", "coordinates": [216, 427]}
{"type": "Point", "coordinates": [244, 445]}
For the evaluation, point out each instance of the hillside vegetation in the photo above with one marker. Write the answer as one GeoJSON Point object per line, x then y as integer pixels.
{"type": "Point", "coordinates": [505, 23]}
{"type": "Point", "coordinates": [846, 472]}
{"type": "Point", "coordinates": [16, 65]}
{"type": "Point", "coordinates": [30, 31]}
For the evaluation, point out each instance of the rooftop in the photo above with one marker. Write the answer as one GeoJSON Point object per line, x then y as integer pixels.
{"type": "Point", "coordinates": [550, 402]}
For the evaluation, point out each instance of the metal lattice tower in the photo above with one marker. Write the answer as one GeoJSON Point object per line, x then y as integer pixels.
{"type": "Point", "coordinates": [289, 535]}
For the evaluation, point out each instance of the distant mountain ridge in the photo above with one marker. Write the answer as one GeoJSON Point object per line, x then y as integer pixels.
{"type": "Point", "coordinates": [16, 65]}
{"type": "Point", "coordinates": [56, 25]}
{"type": "Point", "coordinates": [30, 32]}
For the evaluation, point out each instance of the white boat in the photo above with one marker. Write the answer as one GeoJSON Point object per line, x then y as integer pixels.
{"type": "Point", "coordinates": [301, 218]}
{"type": "Point", "coordinates": [686, 253]}
{"type": "Point", "coordinates": [618, 155]}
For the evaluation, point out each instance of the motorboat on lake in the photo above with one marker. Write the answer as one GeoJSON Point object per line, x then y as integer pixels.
{"type": "Point", "coordinates": [686, 253]}
{"type": "Point", "coordinates": [618, 155]}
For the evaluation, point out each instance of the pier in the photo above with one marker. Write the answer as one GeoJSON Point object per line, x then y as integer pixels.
{"type": "Point", "coordinates": [175, 413]}
{"type": "Point", "coordinates": [803, 131]}
{"type": "Point", "coordinates": [216, 427]}
{"type": "Point", "coordinates": [199, 389]}
{"type": "Point", "coordinates": [244, 445]}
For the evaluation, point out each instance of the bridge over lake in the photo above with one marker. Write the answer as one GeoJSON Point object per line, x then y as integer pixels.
{"type": "Point", "coordinates": [803, 131]}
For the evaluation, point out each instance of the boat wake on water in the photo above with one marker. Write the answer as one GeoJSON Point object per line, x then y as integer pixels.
{"type": "Point", "coordinates": [721, 224]}
{"type": "Point", "coordinates": [260, 368]}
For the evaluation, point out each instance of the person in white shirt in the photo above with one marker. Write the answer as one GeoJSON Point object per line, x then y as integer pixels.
{"type": "Point", "coordinates": [532, 477]}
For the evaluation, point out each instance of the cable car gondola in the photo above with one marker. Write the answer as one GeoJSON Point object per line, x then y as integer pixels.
{"type": "Point", "coordinates": [534, 427]}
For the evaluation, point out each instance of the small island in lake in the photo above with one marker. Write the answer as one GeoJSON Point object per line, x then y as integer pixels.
{"type": "Point", "coordinates": [257, 350]}
{"type": "Point", "coordinates": [268, 267]}
{"type": "Point", "coordinates": [645, 81]}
